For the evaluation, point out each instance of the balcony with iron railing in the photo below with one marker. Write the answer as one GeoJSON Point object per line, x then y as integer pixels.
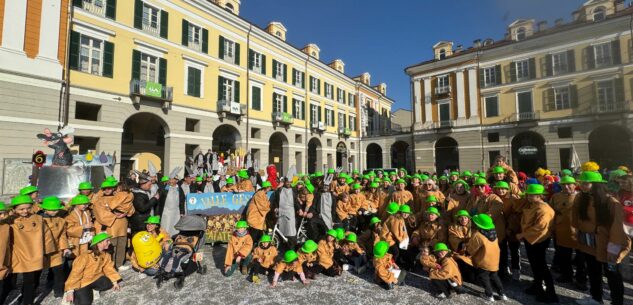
{"type": "Point", "coordinates": [140, 89]}
{"type": "Point", "coordinates": [155, 31]}
{"type": "Point", "coordinates": [393, 131]}
{"type": "Point", "coordinates": [226, 108]}
{"type": "Point", "coordinates": [197, 46]}
{"type": "Point", "coordinates": [94, 7]}
{"type": "Point", "coordinates": [610, 107]}
{"type": "Point", "coordinates": [528, 116]}
{"type": "Point", "coordinates": [344, 132]}
{"type": "Point", "coordinates": [284, 118]}
{"type": "Point", "coordinates": [317, 126]}
{"type": "Point", "coordinates": [443, 90]}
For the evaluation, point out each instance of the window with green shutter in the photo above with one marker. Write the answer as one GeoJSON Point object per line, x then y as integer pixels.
{"type": "Point", "coordinates": [256, 98]}
{"type": "Point", "coordinates": [194, 80]}
{"type": "Point", "coordinates": [162, 71]}
{"type": "Point", "coordinates": [108, 59]}
{"type": "Point", "coordinates": [164, 24]}
{"type": "Point", "coordinates": [111, 9]}
{"type": "Point", "coordinates": [74, 50]}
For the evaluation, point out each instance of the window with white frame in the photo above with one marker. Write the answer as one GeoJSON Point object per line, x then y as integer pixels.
{"type": "Point", "coordinates": [559, 63]}
{"type": "Point", "coordinates": [351, 99]}
{"type": "Point", "coordinates": [562, 98]}
{"type": "Point", "coordinates": [298, 107]}
{"type": "Point", "coordinates": [194, 37]}
{"type": "Point", "coordinates": [341, 120]}
{"type": "Point", "coordinates": [606, 95]}
{"type": "Point", "coordinates": [298, 78]}
{"type": "Point", "coordinates": [328, 90]}
{"type": "Point", "coordinates": [352, 123]}
{"type": "Point", "coordinates": [599, 13]}
{"type": "Point", "coordinates": [442, 84]}
{"type": "Point", "coordinates": [522, 69]}
{"type": "Point", "coordinates": [329, 117]}
{"type": "Point", "coordinates": [278, 103]}
{"type": "Point", "coordinates": [521, 33]}
{"type": "Point", "coordinates": [490, 76]}
{"type": "Point", "coordinates": [229, 50]}
{"type": "Point", "coordinates": [257, 61]}
{"type": "Point", "coordinates": [340, 95]}
{"type": "Point", "coordinates": [280, 71]}
{"type": "Point", "coordinates": [492, 106]}
{"type": "Point", "coordinates": [151, 19]}
{"type": "Point", "coordinates": [149, 68]}
{"type": "Point", "coordinates": [314, 114]}
{"type": "Point", "coordinates": [91, 55]}
{"type": "Point", "coordinates": [603, 55]}
{"type": "Point", "coordinates": [228, 89]}
{"type": "Point", "coordinates": [314, 85]}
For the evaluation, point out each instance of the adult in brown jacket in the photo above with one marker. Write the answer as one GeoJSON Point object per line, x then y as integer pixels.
{"type": "Point", "coordinates": [111, 209]}
{"type": "Point", "coordinates": [51, 207]}
{"type": "Point", "coordinates": [447, 277]}
{"type": "Point", "coordinates": [537, 223]}
{"type": "Point", "coordinates": [483, 249]}
{"type": "Point", "coordinates": [238, 251]}
{"type": "Point", "coordinates": [32, 240]}
{"type": "Point", "coordinates": [598, 218]}
{"type": "Point", "coordinates": [92, 270]}
{"type": "Point", "coordinates": [5, 260]}
{"type": "Point", "coordinates": [401, 195]}
{"type": "Point", "coordinates": [257, 210]}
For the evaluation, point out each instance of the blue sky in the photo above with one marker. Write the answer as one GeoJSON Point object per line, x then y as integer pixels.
{"type": "Point", "coordinates": [383, 37]}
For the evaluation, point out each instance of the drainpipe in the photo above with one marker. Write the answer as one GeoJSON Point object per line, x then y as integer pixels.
{"type": "Point", "coordinates": [413, 116]}
{"type": "Point", "coordinates": [481, 117]}
{"type": "Point", "coordinates": [65, 101]}
{"type": "Point", "coordinates": [305, 109]}
{"type": "Point", "coordinates": [248, 88]}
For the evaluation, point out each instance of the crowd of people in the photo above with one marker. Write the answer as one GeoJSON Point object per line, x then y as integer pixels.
{"type": "Point", "coordinates": [456, 227]}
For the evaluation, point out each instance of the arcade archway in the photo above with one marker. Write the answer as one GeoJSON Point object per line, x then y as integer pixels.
{"type": "Point", "coordinates": [374, 156]}
{"type": "Point", "coordinates": [143, 140]}
{"type": "Point", "coordinates": [446, 155]}
{"type": "Point", "coordinates": [278, 153]}
{"type": "Point", "coordinates": [528, 152]}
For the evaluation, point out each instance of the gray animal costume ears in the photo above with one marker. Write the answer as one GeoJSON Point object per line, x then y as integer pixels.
{"type": "Point", "coordinates": [151, 169]}
{"type": "Point", "coordinates": [328, 179]}
{"type": "Point", "coordinates": [142, 177]}
{"type": "Point", "coordinates": [174, 172]}
{"type": "Point", "coordinates": [292, 171]}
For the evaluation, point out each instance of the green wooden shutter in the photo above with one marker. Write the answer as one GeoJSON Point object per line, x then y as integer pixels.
{"type": "Point", "coordinates": [513, 72]}
{"type": "Point", "coordinates": [532, 65]}
{"type": "Point", "coordinates": [256, 98]}
{"type": "Point", "coordinates": [138, 14]}
{"type": "Point", "coordinates": [164, 24]}
{"type": "Point", "coordinates": [221, 55]}
{"type": "Point", "coordinates": [221, 89]}
{"type": "Point", "coordinates": [236, 89]}
{"type": "Point", "coordinates": [615, 49]}
{"type": "Point", "coordinates": [136, 64]}
{"type": "Point", "coordinates": [111, 9]}
{"type": "Point", "coordinates": [74, 50]}
{"type": "Point", "coordinates": [275, 68]}
{"type": "Point", "coordinates": [571, 61]}
{"type": "Point", "coordinates": [108, 59]}
{"type": "Point", "coordinates": [294, 108]}
{"type": "Point", "coordinates": [185, 32]}
{"type": "Point", "coordinates": [162, 71]}
{"type": "Point", "coordinates": [548, 71]}
{"type": "Point", "coordinates": [205, 41]}
{"type": "Point", "coordinates": [319, 113]}
{"type": "Point", "coordinates": [274, 102]}
{"type": "Point", "coordinates": [78, 3]}
{"type": "Point", "coordinates": [589, 59]}
{"type": "Point", "coordinates": [498, 74]}
{"type": "Point", "coordinates": [294, 79]}
{"type": "Point", "coordinates": [303, 80]}
{"type": "Point", "coordinates": [237, 53]}
{"type": "Point", "coordinates": [263, 64]}
{"type": "Point", "coordinates": [318, 86]}
{"type": "Point", "coordinates": [190, 81]}
{"type": "Point", "coordinates": [303, 110]}
{"type": "Point", "coordinates": [285, 104]}
{"type": "Point", "coordinates": [573, 96]}
{"type": "Point", "coordinates": [285, 73]}
{"type": "Point", "coordinates": [311, 87]}
{"type": "Point", "coordinates": [251, 59]}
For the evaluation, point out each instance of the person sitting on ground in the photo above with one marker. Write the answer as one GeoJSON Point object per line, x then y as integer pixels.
{"type": "Point", "coordinates": [387, 273]}
{"type": "Point", "coordinates": [447, 277]}
{"type": "Point", "coordinates": [353, 254]}
{"type": "Point", "coordinates": [326, 248]}
{"type": "Point", "coordinates": [288, 268]}
{"type": "Point", "coordinates": [152, 225]}
{"type": "Point", "coordinates": [263, 258]}
{"type": "Point", "coordinates": [238, 251]}
{"type": "Point", "coordinates": [309, 259]}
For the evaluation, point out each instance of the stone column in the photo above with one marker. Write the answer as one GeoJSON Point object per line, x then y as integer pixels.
{"type": "Point", "coordinates": [49, 30]}
{"type": "Point", "coordinates": [417, 99]}
{"type": "Point", "coordinates": [427, 100]}
{"type": "Point", "coordinates": [472, 92]}
{"type": "Point", "coordinates": [461, 98]}
{"type": "Point", "coordinates": [15, 25]}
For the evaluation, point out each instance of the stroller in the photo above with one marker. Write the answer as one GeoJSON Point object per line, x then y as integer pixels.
{"type": "Point", "coordinates": [184, 256]}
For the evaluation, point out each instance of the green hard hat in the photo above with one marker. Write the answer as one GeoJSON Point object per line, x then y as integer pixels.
{"type": "Point", "coordinates": [86, 185]}
{"type": "Point", "coordinates": [318, 174]}
{"type": "Point", "coordinates": [309, 246]}
{"type": "Point", "coordinates": [332, 233]}
{"type": "Point", "coordinates": [443, 178]}
{"type": "Point", "coordinates": [199, 179]}
{"type": "Point", "coordinates": [99, 238]}
{"type": "Point", "coordinates": [28, 190]}
{"type": "Point", "coordinates": [567, 172]}
{"type": "Point", "coordinates": [591, 177]}
{"type": "Point", "coordinates": [401, 181]}
{"type": "Point", "coordinates": [502, 185]}
{"type": "Point", "coordinates": [535, 189]}
{"type": "Point", "coordinates": [51, 203]}
{"type": "Point", "coordinates": [405, 209]}
{"type": "Point", "coordinates": [340, 233]}
{"type": "Point", "coordinates": [331, 171]}
{"type": "Point", "coordinates": [462, 182]}
{"type": "Point", "coordinates": [3, 207]}
{"type": "Point", "coordinates": [243, 174]}
{"type": "Point", "coordinates": [393, 208]}
{"type": "Point", "coordinates": [266, 184]}
{"type": "Point", "coordinates": [617, 174]}
{"type": "Point", "coordinates": [430, 199]}
{"type": "Point", "coordinates": [366, 177]}
{"type": "Point", "coordinates": [265, 239]}
{"type": "Point", "coordinates": [463, 213]}
{"type": "Point", "coordinates": [356, 186]}
{"type": "Point", "coordinates": [424, 177]}
{"type": "Point", "coordinates": [467, 174]}
{"type": "Point", "coordinates": [567, 180]}
{"type": "Point", "coordinates": [290, 256]}
{"type": "Point", "coordinates": [374, 220]}
{"type": "Point", "coordinates": [349, 181]}
{"type": "Point", "coordinates": [343, 176]}
{"type": "Point", "coordinates": [380, 249]}
{"type": "Point", "coordinates": [498, 170]}
{"type": "Point", "coordinates": [242, 224]}
{"type": "Point", "coordinates": [109, 183]}
{"type": "Point", "coordinates": [441, 247]}
{"type": "Point", "coordinates": [483, 221]}
{"type": "Point", "coordinates": [455, 174]}
{"type": "Point", "coordinates": [351, 237]}
{"type": "Point", "coordinates": [154, 220]}
{"type": "Point", "coordinates": [80, 199]}
{"type": "Point", "coordinates": [481, 181]}
{"type": "Point", "coordinates": [355, 172]}
{"type": "Point", "coordinates": [374, 185]}
{"type": "Point", "coordinates": [230, 181]}
{"type": "Point", "coordinates": [310, 188]}
{"type": "Point", "coordinates": [21, 199]}
{"type": "Point", "coordinates": [164, 179]}
{"type": "Point", "coordinates": [433, 210]}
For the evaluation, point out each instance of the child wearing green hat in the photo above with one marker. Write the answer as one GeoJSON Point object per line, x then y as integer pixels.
{"type": "Point", "coordinates": [483, 248]}
{"type": "Point", "coordinates": [445, 277]}
{"type": "Point", "coordinates": [238, 251]}
{"type": "Point", "coordinates": [430, 231]}
{"type": "Point", "coordinates": [92, 271]}
{"type": "Point", "coordinates": [86, 188]}
{"type": "Point", "coordinates": [395, 229]}
{"type": "Point", "coordinates": [345, 211]}
{"type": "Point", "coordinates": [309, 259]}
{"type": "Point", "coordinates": [352, 254]}
{"type": "Point", "coordinates": [387, 273]}
{"type": "Point", "coordinates": [263, 258]}
{"type": "Point", "coordinates": [51, 207]}
{"type": "Point", "coordinates": [325, 251]}
{"type": "Point", "coordinates": [401, 195]}
{"type": "Point", "coordinates": [288, 268]}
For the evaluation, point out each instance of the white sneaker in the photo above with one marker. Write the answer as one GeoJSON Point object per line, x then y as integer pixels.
{"type": "Point", "coordinates": [345, 267]}
{"type": "Point", "coordinates": [96, 294]}
{"type": "Point", "coordinates": [124, 268]}
{"type": "Point", "coordinates": [489, 299]}
{"type": "Point", "coordinates": [441, 296]}
{"type": "Point", "coordinates": [588, 301]}
{"type": "Point", "coordinates": [503, 297]}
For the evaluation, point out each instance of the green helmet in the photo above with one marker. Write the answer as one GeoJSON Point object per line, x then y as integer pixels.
{"type": "Point", "coordinates": [310, 188]}
{"type": "Point", "coordinates": [28, 190]}
{"type": "Point", "coordinates": [230, 181]}
{"type": "Point", "coordinates": [309, 246]}
{"type": "Point", "coordinates": [462, 213]}
{"type": "Point", "coordinates": [467, 174]}
{"type": "Point", "coordinates": [455, 174]}
{"type": "Point", "coordinates": [484, 221]}
{"type": "Point", "coordinates": [535, 189]}
{"type": "Point", "coordinates": [164, 179]}
{"type": "Point", "coordinates": [340, 233]}
{"type": "Point", "coordinates": [374, 185]}
{"type": "Point", "coordinates": [86, 185]}
{"type": "Point", "coordinates": [290, 256]}
{"type": "Point", "coordinates": [21, 199]}
{"type": "Point", "coordinates": [430, 199]}
{"type": "Point", "coordinates": [154, 220]}
{"type": "Point", "coordinates": [372, 174]}
{"type": "Point", "coordinates": [566, 172]}
{"type": "Point", "coordinates": [332, 232]}
{"type": "Point", "coordinates": [318, 174]}
{"type": "Point", "coordinates": [331, 171]}
{"type": "Point", "coordinates": [243, 174]}
{"type": "Point", "coordinates": [405, 209]}
{"type": "Point", "coordinates": [356, 186]}
{"type": "Point", "coordinates": [266, 184]}
{"type": "Point", "coordinates": [366, 177]}
{"type": "Point", "coordinates": [443, 178]}
{"type": "Point", "coordinates": [351, 237]}
{"type": "Point", "coordinates": [380, 249]}
{"type": "Point", "coordinates": [498, 170]}
{"type": "Point", "coordinates": [355, 172]}
{"type": "Point", "coordinates": [109, 183]}
{"type": "Point", "coordinates": [349, 181]}
{"type": "Point", "coordinates": [199, 179]}
{"type": "Point", "coordinates": [401, 181]}
{"type": "Point", "coordinates": [99, 238]}
{"type": "Point", "coordinates": [393, 208]}
{"type": "Point", "coordinates": [374, 220]}
{"type": "Point", "coordinates": [502, 185]}
{"type": "Point", "coordinates": [567, 180]}
{"type": "Point", "coordinates": [80, 199]}
{"type": "Point", "coordinates": [51, 203]}
{"type": "Point", "coordinates": [481, 181]}
{"type": "Point", "coordinates": [265, 239]}
{"type": "Point", "coordinates": [591, 177]}
{"type": "Point", "coordinates": [462, 182]}
{"type": "Point", "coordinates": [3, 207]}
{"type": "Point", "coordinates": [433, 210]}
{"type": "Point", "coordinates": [441, 247]}
{"type": "Point", "coordinates": [242, 224]}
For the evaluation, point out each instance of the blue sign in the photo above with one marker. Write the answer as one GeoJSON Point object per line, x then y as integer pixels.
{"type": "Point", "coordinates": [218, 203]}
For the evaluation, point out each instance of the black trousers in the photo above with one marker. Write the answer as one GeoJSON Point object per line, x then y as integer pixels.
{"type": "Point", "coordinates": [59, 279]}
{"type": "Point", "coordinates": [489, 279]}
{"type": "Point", "coordinates": [30, 281]}
{"type": "Point", "coordinates": [332, 271]}
{"type": "Point", "coordinates": [257, 269]}
{"type": "Point", "coordinates": [5, 288]}
{"type": "Point", "coordinates": [515, 256]}
{"type": "Point", "coordinates": [567, 263]}
{"type": "Point", "coordinates": [614, 278]}
{"type": "Point", "coordinates": [256, 235]}
{"type": "Point", "coordinates": [442, 285]}
{"type": "Point", "coordinates": [84, 296]}
{"type": "Point", "coordinates": [536, 257]}
{"type": "Point", "coordinates": [468, 272]}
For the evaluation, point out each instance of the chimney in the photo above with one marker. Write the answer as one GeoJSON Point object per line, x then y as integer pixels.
{"type": "Point", "coordinates": [541, 26]}
{"type": "Point", "coordinates": [558, 22]}
{"type": "Point", "coordinates": [277, 29]}
{"type": "Point", "coordinates": [476, 43]}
